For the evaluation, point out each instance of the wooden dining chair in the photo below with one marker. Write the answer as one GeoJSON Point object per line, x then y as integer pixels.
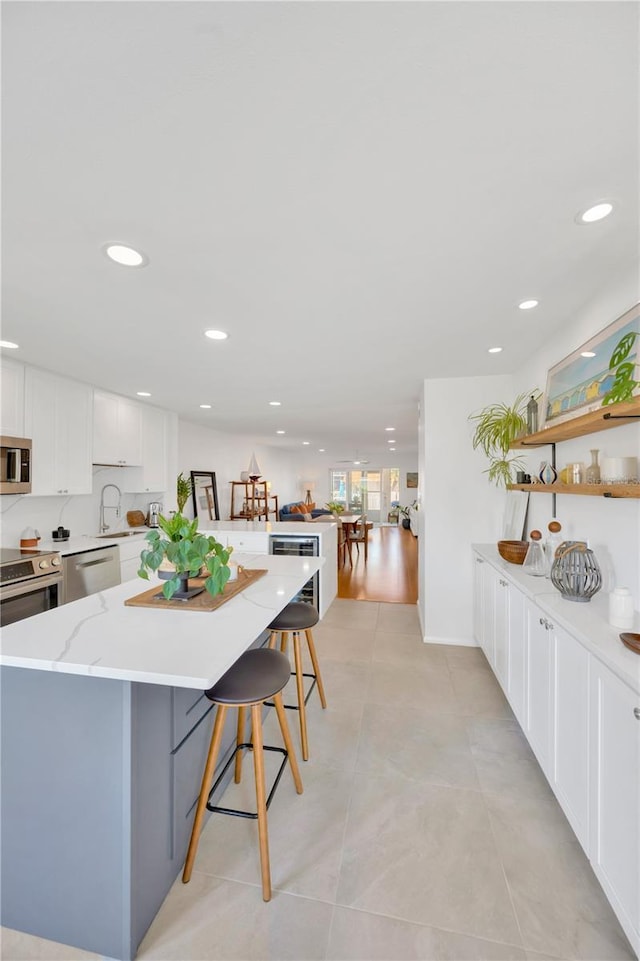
{"type": "Point", "coordinates": [358, 536]}
{"type": "Point", "coordinates": [342, 544]}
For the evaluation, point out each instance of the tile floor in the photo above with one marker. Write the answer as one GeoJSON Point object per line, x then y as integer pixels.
{"type": "Point", "coordinates": [426, 830]}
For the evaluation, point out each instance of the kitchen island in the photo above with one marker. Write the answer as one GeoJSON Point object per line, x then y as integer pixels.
{"type": "Point", "coordinates": [104, 733]}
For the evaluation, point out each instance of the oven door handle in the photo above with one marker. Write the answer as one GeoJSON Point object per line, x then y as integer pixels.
{"type": "Point", "coordinates": [30, 586]}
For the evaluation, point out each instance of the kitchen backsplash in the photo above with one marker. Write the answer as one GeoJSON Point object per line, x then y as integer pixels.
{"type": "Point", "coordinates": [79, 513]}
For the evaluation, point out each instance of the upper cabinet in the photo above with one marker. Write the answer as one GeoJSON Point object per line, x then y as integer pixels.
{"type": "Point", "coordinates": [12, 410]}
{"type": "Point", "coordinates": [152, 477]}
{"type": "Point", "coordinates": [117, 430]}
{"type": "Point", "coordinates": [58, 419]}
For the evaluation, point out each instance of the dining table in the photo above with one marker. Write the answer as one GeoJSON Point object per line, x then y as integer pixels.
{"type": "Point", "coordinates": [350, 522]}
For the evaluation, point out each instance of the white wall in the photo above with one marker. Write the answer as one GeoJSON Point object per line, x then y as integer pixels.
{"type": "Point", "coordinates": [612, 527]}
{"type": "Point", "coordinates": [201, 449]}
{"type": "Point", "coordinates": [459, 506]}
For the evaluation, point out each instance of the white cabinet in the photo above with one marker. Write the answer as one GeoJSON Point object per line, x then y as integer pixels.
{"type": "Point", "coordinates": [570, 729]}
{"type": "Point", "coordinates": [117, 430]}
{"type": "Point", "coordinates": [484, 607]}
{"type": "Point", "coordinates": [12, 410]}
{"type": "Point", "coordinates": [538, 696]}
{"type": "Point", "coordinates": [615, 795]}
{"type": "Point", "coordinates": [58, 419]}
{"type": "Point", "coordinates": [501, 630]}
{"type": "Point", "coordinates": [153, 476]}
{"type": "Point", "coordinates": [250, 542]}
{"type": "Point", "coordinates": [517, 665]}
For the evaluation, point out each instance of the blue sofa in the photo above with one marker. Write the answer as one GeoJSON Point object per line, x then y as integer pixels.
{"type": "Point", "coordinates": [286, 515]}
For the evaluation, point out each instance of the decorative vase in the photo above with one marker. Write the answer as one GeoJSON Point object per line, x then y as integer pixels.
{"type": "Point", "coordinates": [547, 474]}
{"type": "Point", "coordinates": [575, 571]}
{"type": "Point", "coordinates": [532, 416]}
{"type": "Point", "coordinates": [592, 475]}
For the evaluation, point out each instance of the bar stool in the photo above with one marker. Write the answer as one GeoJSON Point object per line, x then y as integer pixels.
{"type": "Point", "coordinates": [255, 676]}
{"type": "Point", "coordinates": [295, 618]}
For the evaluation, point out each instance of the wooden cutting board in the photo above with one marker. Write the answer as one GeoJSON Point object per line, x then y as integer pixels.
{"type": "Point", "coordinates": [135, 519]}
{"type": "Point", "coordinates": [201, 602]}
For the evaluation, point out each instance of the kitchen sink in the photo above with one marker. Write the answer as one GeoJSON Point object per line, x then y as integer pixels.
{"type": "Point", "coordinates": [111, 537]}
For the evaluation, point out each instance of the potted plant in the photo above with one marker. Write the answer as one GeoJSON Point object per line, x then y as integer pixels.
{"type": "Point", "coordinates": [624, 383]}
{"type": "Point", "coordinates": [183, 491]}
{"type": "Point", "coordinates": [406, 520]}
{"type": "Point", "coordinates": [335, 507]}
{"type": "Point", "coordinates": [180, 552]}
{"type": "Point", "coordinates": [497, 427]}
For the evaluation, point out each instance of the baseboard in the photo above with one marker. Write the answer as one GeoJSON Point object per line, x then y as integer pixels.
{"type": "Point", "coordinates": [454, 641]}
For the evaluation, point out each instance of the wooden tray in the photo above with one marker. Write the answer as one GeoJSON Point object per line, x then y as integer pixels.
{"type": "Point", "coordinates": [201, 602]}
{"type": "Point", "coordinates": [632, 641]}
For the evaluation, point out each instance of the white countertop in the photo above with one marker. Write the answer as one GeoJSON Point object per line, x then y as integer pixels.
{"type": "Point", "coordinates": [588, 622]}
{"type": "Point", "coordinates": [87, 542]}
{"type": "Point", "coordinates": [271, 527]}
{"type": "Point", "coordinates": [98, 636]}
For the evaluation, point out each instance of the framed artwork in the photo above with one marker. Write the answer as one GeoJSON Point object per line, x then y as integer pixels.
{"type": "Point", "coordinates": [578, 383]}
{"type": "Point", "coordinates": [412, 479]}
{"type": "Point", "coordinates": [205, 495]}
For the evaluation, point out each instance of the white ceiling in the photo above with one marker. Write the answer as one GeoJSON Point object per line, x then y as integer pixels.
{"type": "Point", "coordinates": [359, 193]}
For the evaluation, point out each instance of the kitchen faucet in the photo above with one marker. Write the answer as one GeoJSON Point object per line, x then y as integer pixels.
{"type": "Point", "coordinates": [103, 507]}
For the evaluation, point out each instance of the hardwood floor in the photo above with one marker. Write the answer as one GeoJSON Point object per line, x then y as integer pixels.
{"type": "Point", "coordinates": [391, 572]}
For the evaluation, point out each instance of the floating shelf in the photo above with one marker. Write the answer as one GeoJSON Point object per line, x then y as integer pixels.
{"type": "Point", "coordinates": [590, 490]}
{"type": "Point", "coordinates": [604, 418]}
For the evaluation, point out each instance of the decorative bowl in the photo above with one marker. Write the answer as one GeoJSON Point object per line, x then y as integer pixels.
{"type": "Point", "coordinates": [513, 551]}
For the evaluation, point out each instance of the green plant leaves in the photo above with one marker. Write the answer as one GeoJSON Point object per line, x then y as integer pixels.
{"type": "Point", "coordinates": [624, 384]}
{"type": "Point", "coordinates": [498, 426]}
{"type": "Point", "coordinates": [188, 551]}
{"type": "Point", "coordinates": [622, 349]}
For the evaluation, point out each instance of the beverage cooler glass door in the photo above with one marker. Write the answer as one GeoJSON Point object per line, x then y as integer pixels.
{"type": "Point", "coordinates": [299, 547]}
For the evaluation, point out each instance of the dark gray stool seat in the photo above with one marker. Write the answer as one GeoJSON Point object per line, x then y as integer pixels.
{"type": "Point", "coordinates": [294, 618]}
{"type": "Point", "coordinates": [255, 676]}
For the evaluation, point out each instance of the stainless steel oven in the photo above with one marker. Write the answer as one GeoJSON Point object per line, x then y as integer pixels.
{"type": "Point", "coordinates": [30, 583]}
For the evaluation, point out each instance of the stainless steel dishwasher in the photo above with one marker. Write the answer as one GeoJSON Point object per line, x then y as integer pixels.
{"type": "Point", "coordinates": [90, 572]}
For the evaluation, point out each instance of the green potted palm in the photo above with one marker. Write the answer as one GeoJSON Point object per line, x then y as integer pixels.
{"type": "Point", "coordinates": [335, 507]}
{"type": "Point", "coordinates": [177, 552]}
{"type": "Point", "coordinates": [497, 427]}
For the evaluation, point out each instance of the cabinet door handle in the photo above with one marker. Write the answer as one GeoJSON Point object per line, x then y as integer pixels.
{"type": "Point", "coordinates": [636, 713]}
{"type": "Point", "coordinates": [541, 621]}
{"type": "Point", "coordinates": [479, 560]}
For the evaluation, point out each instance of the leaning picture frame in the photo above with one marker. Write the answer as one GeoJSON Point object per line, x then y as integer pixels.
{"type": "Point", "coordinates": [578, 383]}
{"type": "Point", "coordinates": [205, 495]}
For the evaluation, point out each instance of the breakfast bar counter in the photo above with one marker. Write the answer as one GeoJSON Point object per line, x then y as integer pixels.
{"type": "Point", "coordinates": [105, 728]}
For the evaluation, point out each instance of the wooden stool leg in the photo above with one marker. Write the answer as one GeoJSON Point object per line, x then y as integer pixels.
{"type": "Point", "coordinates": [239, 741]}
{"type": "Point", "coordinates": [301, 705]}
{"type": "Point", "coordinates": [261, 799]}
{"type": "Point", "coordinates": [284, 643]}
{"type": "Point", "coordinates": [272, 639]}
{"type": "Point", "coordinates": [207, 779]}
{"type": "Point", "coordinates": [288, 743]}
{"type": "Point", "coordinates": [316, 667]}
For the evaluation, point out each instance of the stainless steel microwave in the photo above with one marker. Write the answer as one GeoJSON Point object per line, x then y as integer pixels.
{"type": "Point", "coordinates": [15, 465]}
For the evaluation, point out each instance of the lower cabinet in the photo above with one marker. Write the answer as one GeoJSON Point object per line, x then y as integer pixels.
{"type": "Point", "coordinates": [615, 795]}
{"type": "Point", "coordinates": [583, 724]}
{"type": "Point", "coordinates": [570, 729]}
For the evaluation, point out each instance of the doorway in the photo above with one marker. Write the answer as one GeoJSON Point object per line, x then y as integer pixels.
{"type": "Point", "coordinates": [369, 492]}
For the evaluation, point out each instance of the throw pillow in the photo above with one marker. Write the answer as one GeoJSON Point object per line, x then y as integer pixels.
{"type": "Point", "coordinates": [311, 506]}
{"type": "Point", "coordinates": [298, 509]}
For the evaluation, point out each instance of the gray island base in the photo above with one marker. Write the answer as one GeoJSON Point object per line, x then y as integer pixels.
{"type": "Point", "coordinates": [100, 775]}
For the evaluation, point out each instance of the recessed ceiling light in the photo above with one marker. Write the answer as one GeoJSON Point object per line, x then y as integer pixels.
{"type": "Point", "coordinates": [275, 403]}
{"type": "Point", "coordinates": [8, 344]}
{"type": "Point", "coordinates": [125, 256]}
{"type": "Point", "coordinates": [216, 334]}
{"type": "Point", "coordinates": [392, 448]}
{"type": "Point", "coordinates": [280, 432]}
{"type": "Point", "coordinates": [321, 450]}
{"type": "Point", "coordinates": [356, 462]}
{"type": "Point", "coordinates": [143, 393]}
{"type": "Point", "coordinates": [205, 406]}
{"type": "Point", "coordinates": [588, 353]}
{"type": "Point", "coordinates": [306, 443]}
{"type": "Point", "coordinates": [389, 428]}
{"type": "Point", "coordinates": [390, 441]}
{"type": "Point", "coordinates": [495, 350]}
{"type": "Point", "coordinates": [528, 304]}
{"type": "Point", "coordinates": [595, 213]}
